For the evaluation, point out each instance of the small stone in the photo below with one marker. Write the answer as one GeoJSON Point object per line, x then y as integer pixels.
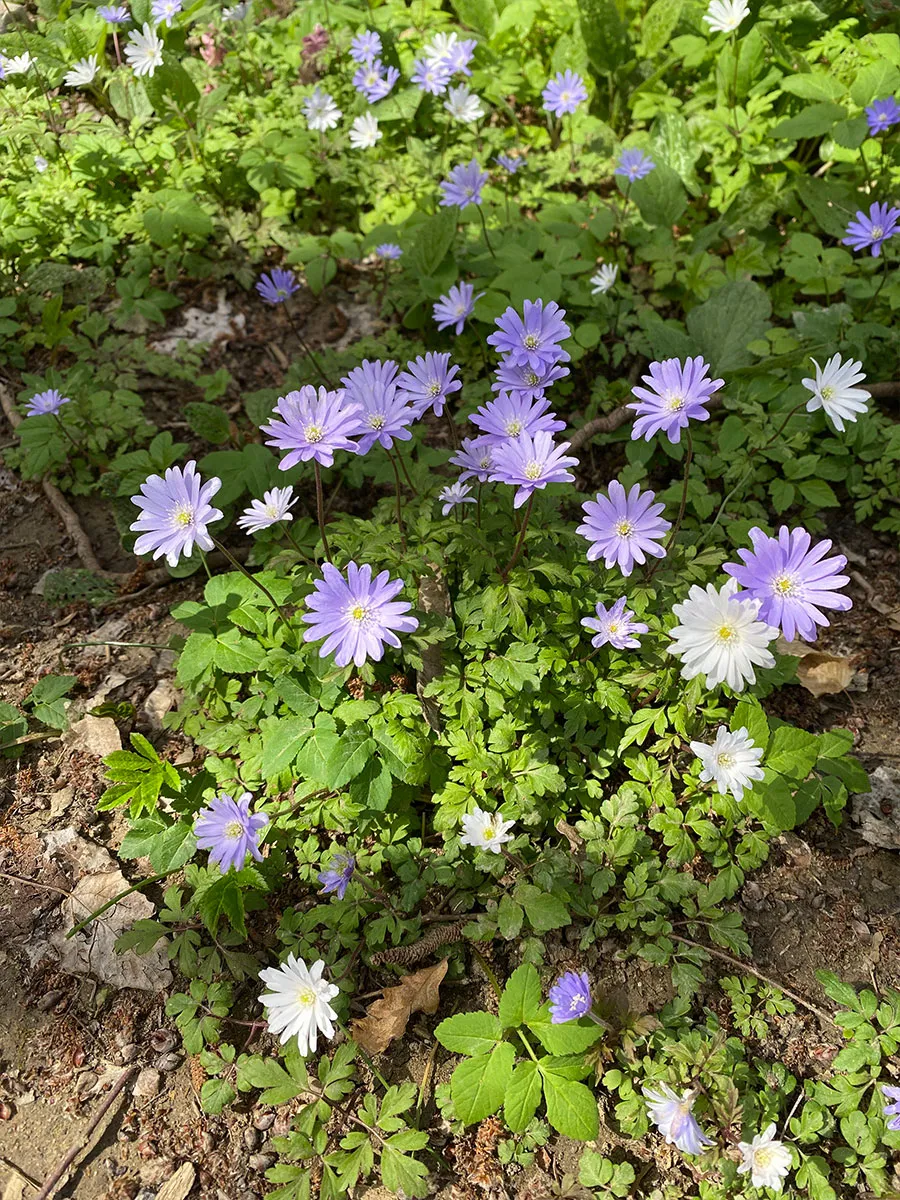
{"type": "Point", "coordinates": [251, 1139]}
{"type": "Point", "coordinates": [94, 735]}
{"type": "Point", "coordinates": [264, 1121]}
{"type": "Point", "coordinates": [148, 1084]}
{"type": "Point", "coordinates": [261, 1162]}
{"type": "Point", "coordinates": [168, 1062]}
{"type": "Point", "coordinates": [161, 700]}
{"type": "Point", "coordinates": [162, 1041]}
{"type": "Point", "coordinates": [60, 801]}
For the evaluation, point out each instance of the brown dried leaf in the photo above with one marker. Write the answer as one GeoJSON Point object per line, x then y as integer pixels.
{"type": "Point", "coordinates": [571, 834]}
{"type": "Point", "coordinates": [818, 671]}
{"type": "Point", "coordinates": [387, 1018]}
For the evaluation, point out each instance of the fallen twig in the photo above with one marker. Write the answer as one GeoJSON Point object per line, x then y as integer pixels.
{"type": "Point", "coordinates": [19, 1173]}
{"type": "Point", "coordinates": [72, 526]}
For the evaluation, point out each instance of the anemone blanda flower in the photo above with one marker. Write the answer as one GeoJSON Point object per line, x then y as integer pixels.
{"type": "Point", "coordinates": [891, 1110]}
{"type": "Point", "coordinates": [882, 114]}
{"type": "Point", "coordinates": [529, 464]}
{"type": "Point", "coordinates": [766, 1159]}
{"type": "Point", "coordinates": [337, 875]}
{"type": "Point", "coordinates": [431, 77]}
{"type": "Point", "coordinates": [428, 382]}
{"type": "Point", "coordinates": [364, 132]}
{"type": "Point", "coordinates": [456, 307]}
{"type": "Point", "coordinates": [313, 424]}
{"type": "Point", "coordinates": [484, 830]}
{"type": "Point", "coordinates": [834, 390]}
{"type": "Point", "coordinates": [82, 72]}
{"type": "Point", "coordinates": [40, 164]}
{"type": "Point", "coordinates": [623, 527]}
{"type": "Point", "coordinates": [570, 997]}
{"type": "Point", "coordinates": [512, 414]}
{"type": "Point", "coordinates": [614, 626]}
{"type": "Point", "coordinates": [672, 1116]}
{"type": "Point", "coordinates": [175, 512]}
{"type": "Point", "coordinates": [277, 285]}
{"type": "Point", "coordinates": [229, 831]}
{"type": "Point", "coordinates": [388, 250]}
{"type": "Point", "coordinates": [731, 762]}
{"type": "Point", "coordinates": [384, 412]}
{"type": "Point", "coordinates": [674, 395]}
{"type": "Point", "coordinates": [872, 230]}
{"type": "Point", "coordinates": [463, 105]}
{"type": "Point", "coordinates": [298, 1002]}
{"type": "Point", "coordinates": [792, 580]}
{"type": "Point", "coordinates": [365, 46]}
{"type": "Point", "coordinates": [604, 279]}
{"type": "Point", "coordinates": [460, 54]}
{"type": "Point", "coordinates": [724, 16]}
{"type": "Point", "coordinates": [634, 164]}
{"type": "Point", "coordinates": [476, 457]}
{"type": "Point", "coordinates": [512, 165]}
{"type": "Point", "coordinates": [42, 404]}
{"type": "Point", "coordinates": [375, 81]}
{"type": "Point", "coordinates": [320, 111]}
{"type": "Point", "coordinates": [17, 64]}
{"type": "Point", "coordinates": [144, 50]}
{"type": "Point", "coordinates": [525, 381]}
{"type": "Point", "coordinates": [440, 47]}
{"type": "Point", "coordinates": [564, 93]}
{"type": "Point", "coordinates": [114, 14]}
{"type": "Point", "coordinates": [236, 12]}
{"type": "Point", "coordinates": [455, 493]}
{"type": "Point", "coordinates": [165, 10]}
{"type": "Point", "coordinates": [532, 340]}
{"type": "Point", "coordinates": [720, 636]}
{"type": "Point", "coordinates": [463, 185]}
{"type": "Point", "coordinates": [274, 508]}
{"type": "Point", "coordinates": [357, 615]}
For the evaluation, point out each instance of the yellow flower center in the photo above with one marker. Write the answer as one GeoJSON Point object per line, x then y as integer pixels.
{"type": "Point", "coordinates": [624, 528]}
{"type": "Point", "coordinates": [376, 421]}
{"type": "Point", "coordinates": [674, 403]}
{"type": "Point", "coordinates": [314, 433]}
{"type": "Point", "coordinates": [564, 97]}
{"type": "Point", "coordinates": [784, 585]}
{"type": "Point", "coordinates": [764, 1157]}
{"type": "Point", "coordinates": [533, 470]}
{"type": "Point", "coordinates": [532, 378]}
{"type": "Point", "coordinates": [724, 760]}
{"type": "Point", "coordinates": [531, 341]}
{"type": "Point", "coordinates": [434, 388]}
{"type": "Point", "coordinates": [877, 232]}
{"type": "Point", "coordinates": [306, 996]}
{"type": "Point", "coordinates": [613, 627]}
{"type": "Point", "coordinates": [513, 428]}
{"type": "Point", "coordinates": [233, 829]}
{"type": "Point", "coordinates": [828, 392]}
{"type": "Point", "coordinates": [460, 310]}
{"type": "Point", "coordinates": [183, 516]}
{"type": "Point", "coordinates": [359, 612]}
{"type": "Point", "coordinates": [490, 832]}
{"type": "Point", "coordinates": [485, 462]}
{"type": "Point", "coordinates": [725, 633]}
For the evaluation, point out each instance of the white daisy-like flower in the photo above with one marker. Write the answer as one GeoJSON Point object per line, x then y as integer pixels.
{"type": "Point", "coordinates": [236, 12]}
{"type": "Point", "coordinates": [455, 493]}
{"type": "Point", "coordinates": [440, 47]}
{"type": "Point", "coordinates": [604, 279]}
{"type": "Point", "coordinates": [144, 50]}
{"type": "Point", "coordinates": [834, 390]}
{"type": "Point", "coordinates": [297, 1002]}
{"type": "Point", "coordinates": [672, 1116]}
{"type": "Point", "coordinates": [83, 72]}
{"type": "Point", "coordinates": [19, 64]}
{"type": "Point", "coordinates": [731, 762]}
{"type": "Point", "coordinates": [766, 1159]}
{"type": "Point", "coordinates": [274, 508]}
{"type": "Point", "coordinates": [364, 132]}
{"type": "Point", "coordinates": [40, 163]}
{"type": "Point", "coordinates": [320, 111]}
{"type": "Point", "coordinates": [724, 16]}
{"type": "Point", "coordinates": [718, 635]}
{"type": "Point", "coordinates": [486, 831]}
{"type": "Point", "coordinates": [463, 105]}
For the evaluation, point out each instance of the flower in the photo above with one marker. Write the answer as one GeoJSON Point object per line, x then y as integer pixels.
{"type": "Point", "coordinates": [792, 580]}
{"type": "Point", "coordinates": [476, 455]}
{"type": "Point", "coordinates": [40, 164]}
{"type": "Point", "coordinates": [114, 14]}
{"type": "Point", "coordinates": [529, 464]}
{"type": "Point", "coordinates": [833, 390]}
{"type": "Point", "coordinates": [298, 1002]}
{"type": "Point", "coordinates": [564, 93]}
{"type": "Point", "coordinates": [314, 43]}
{"type": "Point", "coordinates": [634, 164]}
{"type": "Point", "coordinates": [229, 832]}
{"type": "Point", "coordinates": [440, 47]}
{"type": "Point", "coordinates": [463, 187]}
{"type": "Point", "coordinates": [624, 528]}
{"type": "Point", "coordinates": [719, 635]}
{"type": "Point", "coordinates": [882, 115]}
{"type": "Point", "coordinates": [511, 415]}
{"type": "Point", "coordinates": [872, 230]}
{"type": "Point", "coordinates": [144, 50]}
{"type": "Point", "coordinates": [463, 105]}
{"type": "Point", "coordinates": [428, 383]}
{"type": "Point", "coordinates": [236, 12]}
{"type": "Point", "coordinates": [485, 831]}
{"type": "Point", "coordinates": [375, 81]}
{"type": "Point", "coordinates": [766, 1158]}
{"type": "Point", "coordinates": [165, 10]}
{"type": "Point", "coordinates": [356, 615]}
{"type": "Point", "coordinates": [388, 250]}
{"type": "Point", "coordinates": [83, 72]}
{"type": "Point", "coordinates": [724, 16]}
{"type": "Point", "coordinates": [509, 164]}
{"type": "Point", "coordinates": [431, 77]}
{"type": "Point", "coordinates": [527, 382]}
{"type": "Point", "coordinates": [892, 1108]}
{"type": "Point", "coordinates": [604, 279]}
{"type": "Point", "coordinates": [570, 997]}
{"type": "Point", "coordinates": [314, 424]}
{"type": "Point", "coordinates": [456, 307]}
{"type": "Point", "coordinates": [731, 762]}
{"type": "Point", "coordinates": [455, 493]}
{"type": "Point", "coordinates": [615, 626]}
{"type": "Point", "coordinates": [673, 1118]}
{"type": "Point", "coordinates": [336, 877]}
{"type": "Point", "coordinates": [532, 339]}
{"type": "Point", "coordinates": [175, 513]}
{"type": "Point", "coordinates": [382, 414]}
{"type": "Point", "coordinates": [365, 46]}
{"type": "Point", "coordinates": [460, 55]}
{"type": "Point", "coordinates": [274, 508]}
{"type": "Point", "coordinates": [364, 132]}
{"type": "Point", "coordinates": [677, 394]}
{"type": "Point", "coordinates": [19, 64]}
{"type": "Point", "coordinates": [43, 403]}
{"type": "Point", "coordinates": [277, 285]}
{"type": "Point", "coordinates": [320, 111]}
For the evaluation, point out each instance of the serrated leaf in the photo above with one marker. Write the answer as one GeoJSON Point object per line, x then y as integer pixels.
{"type": "Point", "coordinates": [522, 1096]}
{"type": "Point", "coordinates": [571, 1107]}
{"type": "Point", "coordinates": [571, 1037]}
{"type": "Point", "coordinates": [473, 1033]}
{"type": "Point", "coordinates": [478, 1085]}
{"type": "Point", "coordinates": [521, 998]}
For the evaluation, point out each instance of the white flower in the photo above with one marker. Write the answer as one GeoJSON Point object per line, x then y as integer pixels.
{"type": "Point", "coordinates": [731, 762]}
{"type": "Point", "coordinates": [768, 1160]}
{"type": "Point", "coordinates": [463, 105]}
{"type": "Point", "coordinates": [449, 497]}
{"type": "Point", "coordinates": [273, 508]}
{"type": "Point", "coordinates": [236, 12]}
{"type": "Point", "coordinates": [83, 72]}
{"type": "Point", "coordinates": [487, 831]}
{"type": "Point", "coordinates": [833, 391]}
{"type": "Point", "coordinates": [724, 16]}
{"type": "Point", "coordinates": [40, 163]}
{"type": "Point", "coordinates": [718, 635]}
{"type": "Point", "coordinates": [364, 132]}
{"type": "Point", "coordinates": [18, 64]}
{"type": "Point", "coordinates": [144, 50]}
{"type": "Point", "coordinates": [320, 111]}
{"type": "Point", "coordinates": [298, 1002]}
{"type": "Point", "coordinates": [604, 279]}
{"type": "Point", "coordinates": [672, 1116]}
{"type": "Point", "coordinates": [440, 47]}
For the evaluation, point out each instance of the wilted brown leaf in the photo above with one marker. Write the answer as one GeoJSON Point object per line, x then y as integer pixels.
{"type": "Point", "coordinates": [387, 1018]}
{"type": "Point", "coordinates": [818, 671]}
{"type": "Point", "coordinates": [571, 834]}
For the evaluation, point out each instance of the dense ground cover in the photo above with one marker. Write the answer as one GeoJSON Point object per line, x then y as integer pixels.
{"type": "Point", "coordinates": [499, 597]}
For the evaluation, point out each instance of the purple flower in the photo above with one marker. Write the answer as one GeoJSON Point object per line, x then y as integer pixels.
{"type": "Point", "coordinates": [365, 46]}
{"type": "Point", "coordinates": [274, 508]}
{"type": "Point", "coordinates": [634, 164]}
{"type": "Point", "coordinates": [672, 1116]}
{"type": "Point", "coordinates": [374, 80]}
{"type": "Point", "coordinates": [165, 10]}
{"type": "Point", "coordinates": [42, 404]}
{"type": "Point", "coordinates": [892, 1108]}
{"type": "Point", "coordinates": [459, 55]}
{"type": "Point", "coordinates": [511, 415]}
{"type": "Point", "coordinates": [383, 413]}
{"type": "Point", "coordinates": [525, 381]}
{"type": "Point", "coordinates": [431, 77]}
{"type": "Point", "coordinates": [476, 456]}
{"type": "Point", "coordinates": [678, 394]}
{"type": "Point", "coordinates": [615, 626]}
{"type": "Point", "coordinates": [337, 875]}
{"type": "Point", "coordinates": [510, 164]}
{"type": "Point", "coordinates": [531, 463]}
{"type": "Point", "coordinates": [228, 830]}
{"type": "Point", "coordinates": [532, 339]}
{"type": "Point", "coordinates": [176, 512]}
{"type": "Point", "coordinates": [313, 43]}
{"type": "Point", "coordinates": [792, 580]}
{"type": "Point", "coordinates": [455, 493]}
{"type": "Point", "coordinates": [388, 250]}
{"type": "Point", "coordinates": [456, 307]}
{"type": "Point", "coordinates": [623, 528]}
{"type": "Point", "coordinates": [113, 14]}
{"type": "Point", "coordinates": [570, 997]}
{"type": "Point", "coordinates": [564, 93]}
{"type": "Point", "coordinates": [882, 115]}
{"type": "Point", "coordinates": [313, 425]}
{"type": "Point", "coordinates": [428, 382]}
{"type": "Point", "coordinates": [872, 230]}
{"type": "Point", "coordinates": [277, 286]}
{"type": "Point", "coordinates": [384, 86]}
{"type": "Point", "coordinates": [463, 187]}
{"type": "Point", "coordinates": [356, 615]}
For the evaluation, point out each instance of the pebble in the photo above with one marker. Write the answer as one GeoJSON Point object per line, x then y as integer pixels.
{"type": "Point", "coordinates": [148, 1084]}
{"type": "Point", "coordinates": [162, 1040]}
{"type": "Point", "coordinates": [168, 1062]}
{"type": "Point", "coordinates": [261, 1162]}
{"type": "Point", "coordinates": [251, 1139]}
{"type": "Point", "coordinates": [264, 1121]}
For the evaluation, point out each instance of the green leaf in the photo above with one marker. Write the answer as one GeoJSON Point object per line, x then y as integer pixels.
{"type": "Point", "coordinates": [208, 421]}
{"type": "Point", "coordinates": [793, 752]}
{"type": "Point", "coordinates": [175, 213]}
{"type": "Point", "coordinates": [350, 755]}
{"type": "Point", "coordinates": [215, 1095]}
{"type": "Point", "coordinates": [276, 1084]}
{"type": "Point", "coordinates": [835, 989]}
{"type": "Point", "coordinates": [749, 714]}
{"type": "Point", "coordinates": [660, 196]}
{"type": "Point", "coordinates": [472, 1033]}
{"type": "Point", "coordinates": [521, 997]}
{"type": "Point", "coordinates": [478, 1085]}
{"type": "Point", "coordinates": [874, 82]}
{"type": "Point", "coordinates": [317, 752]}
{"type": "Point", "coordinates": [818, 493]}
{"type": "Point", "coordinates": [814, 121]}
{"type": "Point", "coordinates": [571, 1037]}
{"type": "Point", "coordinates": [814, 85]}
{"type": "Point", "coordinates": [282, 739]}
{"type": "Point", "coordinates": [174, 847]}
{"type": "Point", "coordinates": [480, 15]}
{"type": "Point", "coordinates": [596, 1171]}
{"type": "Point", "coordinates": [724, 326]}
{"type": "Point", "coordinates": [522, 1096]}
{"type": "Point", "coordinates": [50, 688]}
{"type": "Point", "coordinates": [571, 1107]}
{"type": "Point", "coordinates": [402, 1174]}
{"type": "Point", "coordinates": [605, 34]}
{"type": "Point", "coordinates": [509, 918]}
{"type": "Point", "coordinates": [431, 241]}
{"type": "Point", "coordinates": [543, 911]}
{"type": "Point", "coordinates": [658, 25]}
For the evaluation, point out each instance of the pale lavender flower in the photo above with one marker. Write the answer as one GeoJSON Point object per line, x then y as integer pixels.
{"type": "Point", "coordinates": [374, 80]}
{"type": "Point", "coordinates": [526, 381]}
{"type": "Point", "coordinates": [320, 111]}
{"type": "Point", "coordinates": [615, 626]}
{"type": "Point", "coordinates": [384, 413]}
{"type": "Point", "coordinates": [460, 55]}
{"type": "Point", "coordinates": [892, 1108]}
{"type": "Point", "coordinates": [633, 164]}
{"type": "Point", "coordinates": [463, 186]}
{"type": "Point", "coordinates": [624, 528]}
{"type": "Point", "coordinates": [114, 14]}
{"type": "Point", "coordinates": [165, 10]}
{"type": "Point", "coordinates": [532, 340]}
{"type": "Point", "coordinates": [528, 464]}
{"type": "Point", "coordinates": [882, 115]}
{"type": "Point", "coordinates": [512, 415]}
{"type": "Point", "coordinates": [564, 93]}
{"type": "Point", "coordinates": [358, 615]}
{"type": "Point", "coordinates": [388, 250]}
{"type": "Point", "coordinates": [672, 1116]}
{"type": "Point", "coordinates": [314, 424]}
{"type": "Point", "coordinates": [570, 997]}
{"type": "Point", "coordinates": [175, 513]}
{"type": "Point", "coordinates": [384, 86]}
{"type": "Point", "coordinates": [431, 77]}
{"type": "Point", "coordinates": [229, 831]}
{"type": "Point", "coordinates": [456, 307]}
{"type": "Point", "coordinates": [453, 494]}
{"type": "Point", "coordinates": [428, 382]}
{"type": "Point", "coordinates": [476, 456]}
{"type": "Point", "coordinates": [365, 46]}
{"type": "Point", "coordinates": [42, 404]}
{"type": "Point", "coordinates": [274, 508]}
{"type": "Point", "coordinates": [872, 230]}
{"type": "Point", "coordinates": [509, 164]}
{"type": "Point", "coordinates": [277, 286]}
{"type": "Point", "coordinates": [337, 875]}
{"type": "Point", "coordinates": [677, 394]}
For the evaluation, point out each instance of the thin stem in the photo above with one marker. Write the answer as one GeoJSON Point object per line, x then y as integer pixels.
{"type": "Point", "coordinates": [290, 537]}
{"type": "Point", "coordinates": [400, 524]}
{"type": "Point", "coordinates": [72, 441]}
{"type": "Point", "coordinates": [306, 350]}
{"type": "Point", "coordinates": [116, 44]}
{"type": "Point", "coordinates": [487, 240]}
{"type": "Point", "coordinates": [571, 141]}
{"type": "Point", "coordinates": [454, 436]}
{"type": "Point", "coordinates": [253, 579]}
{"type": "Point", "coordinates": [320, 510]}
{"type": "Point", "coordinates": [875, 294]}
{"type": "Point", "coordinates": [478, 504]}
{"type": "Point", "coordinates": [519, 543]}
{"type": "Point", "coordinates": [403, 467]}
{"type": "Point", "coordinates": [684, 491]}
{"type": "Point", "coordinates": [142, 883]}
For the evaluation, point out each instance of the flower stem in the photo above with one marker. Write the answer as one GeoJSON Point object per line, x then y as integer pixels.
{"type": "Point", "coordinates": [320, 510]}
{"type": "Point", "coordinates": [400, 524]}
{"type": "Point", "coordinates": [487, 240]}
{"type": "Point", "coordinates": [519, 543]}
{"type": "Point", "coordinates": [58, 420]}
{"type": "Point", "coordinates": [684, 491]}
{"type": "Point", "coordinates": [290, 537]}
{"type": "Point", "coordinates": [253, 579]}
{"type": "Point", "coordinates": [306, 350]}
{"type": "Point", "coordinates": [454, 436]}
{"type": "Point", "coordinates": [406, 475]}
